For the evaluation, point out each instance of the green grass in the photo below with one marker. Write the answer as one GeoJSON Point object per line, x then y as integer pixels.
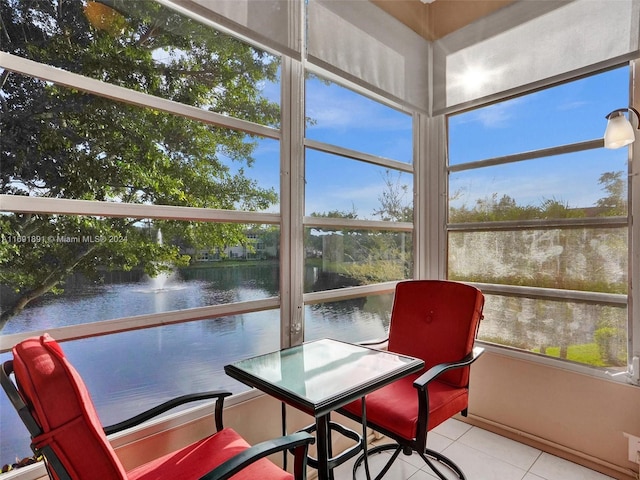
{"type": "Point", "coordinates": [231, 262]}
{"type": "Point", "coordinates": [587, 353]}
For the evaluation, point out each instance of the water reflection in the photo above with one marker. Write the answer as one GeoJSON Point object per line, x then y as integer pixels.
{"type": "Point", "coordinates": [131, 371]}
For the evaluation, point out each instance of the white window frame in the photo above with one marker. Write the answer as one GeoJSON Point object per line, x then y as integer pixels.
{"type": "Point", "coordinates": [632, 374]}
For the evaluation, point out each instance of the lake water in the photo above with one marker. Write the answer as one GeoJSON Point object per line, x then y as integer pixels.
{"type": "Point", "coordinates": [131, 371]}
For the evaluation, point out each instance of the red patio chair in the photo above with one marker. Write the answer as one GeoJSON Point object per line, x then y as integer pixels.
{"type": "Point", "coordinates": [436, 321]}
{"type": "Point", "coordinates": [55, 405]}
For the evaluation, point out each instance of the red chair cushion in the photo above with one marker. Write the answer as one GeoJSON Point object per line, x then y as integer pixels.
{"type": "Point", "coordinates": [395, 407]}
{"type": "Point", "coordinates": [436, 321]}
{"type": "Point", "coordinates": [195, 460]}
{"type": "Point", "coordinates": [62, 407]}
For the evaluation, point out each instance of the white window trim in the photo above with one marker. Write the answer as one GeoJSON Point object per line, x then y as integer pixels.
{"type": "Point", "coordinates": [65, 78]}
{"type": "Point", "coordinates": [634, 235]}
{"type": "Point", "coordinates": [632, 375]}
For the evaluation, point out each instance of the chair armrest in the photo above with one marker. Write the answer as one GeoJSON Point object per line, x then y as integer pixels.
{"type": "Point", "coordinates": [16, 400]}
{"type": "Point", "coordinates": [166, 406]}
{"type": "Point", "coordinates": [299, 441]}
{"type": "Point", "coordinates": [437, 370]}
{"type": "Point", "coordinates": [382, 342]}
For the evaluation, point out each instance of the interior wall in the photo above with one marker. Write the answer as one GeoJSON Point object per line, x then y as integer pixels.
{"type": "Point", "coordinates": [573, 415]}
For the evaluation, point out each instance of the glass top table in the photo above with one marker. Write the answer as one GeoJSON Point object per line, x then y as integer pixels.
{"type": "Point", "coordinates": [320, 376]}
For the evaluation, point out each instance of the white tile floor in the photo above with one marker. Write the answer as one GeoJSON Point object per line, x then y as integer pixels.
{"type": "Point", "coordinates": [481, 455]}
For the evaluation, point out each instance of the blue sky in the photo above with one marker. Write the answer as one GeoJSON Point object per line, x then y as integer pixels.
{"type": "Point", "coordinates": [570, 113]}
{"type": "Point", "coordinates": [352, 121]}
{"type": "Point", "coordinates": [567, 114]}
{"type": "Point", "coordinates": [344, 118]}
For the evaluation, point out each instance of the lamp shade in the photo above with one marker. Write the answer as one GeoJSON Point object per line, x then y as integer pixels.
{"type": "Point", "coordinates": [619, 131]}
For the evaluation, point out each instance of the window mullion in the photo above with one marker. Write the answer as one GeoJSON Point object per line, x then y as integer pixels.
{"type": "Point", "coordinates": [292, 204]}
{"type": "Point", "coordinates": [634, 239]}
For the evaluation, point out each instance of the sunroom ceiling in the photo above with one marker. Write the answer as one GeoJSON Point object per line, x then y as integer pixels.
{"type": "Point", "coordinates": [440, 17]}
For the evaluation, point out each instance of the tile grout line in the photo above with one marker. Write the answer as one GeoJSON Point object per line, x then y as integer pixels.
{"type": "Point", "coordinates": [453, 441]}
{"type": "Point", "coordinates": [526, 471]}
{"type": "Point", "coordinates": [540, 452]}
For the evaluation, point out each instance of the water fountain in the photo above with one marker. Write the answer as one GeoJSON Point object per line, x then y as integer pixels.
{"type": "Point", "coordinates": [164, 280]}
{"type": "Point", "coordinates": [160, 282]}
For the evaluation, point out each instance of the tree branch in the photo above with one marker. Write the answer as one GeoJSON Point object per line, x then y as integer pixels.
{"type": "Point", "coordinates": [53, 279]}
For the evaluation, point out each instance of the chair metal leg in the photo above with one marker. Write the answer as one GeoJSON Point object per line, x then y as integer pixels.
{"type": "Point", "coordinates": [378, 449]}
{"type": "Point", "coordinates": [446, 461]}
{"type": "Point", "coordinates": [429, 456]}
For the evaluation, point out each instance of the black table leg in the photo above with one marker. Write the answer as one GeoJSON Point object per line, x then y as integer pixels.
{"type": "Point", "coordinates": [364, 439]}
{"type": "Point", "coordinates": [323, 442]}
{"type": "Point", "coordinates": [283, 416]}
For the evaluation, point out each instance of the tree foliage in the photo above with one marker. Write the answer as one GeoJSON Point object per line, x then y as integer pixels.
{"type": "Point", "coordinates": [615, 201]}
{"type": "Point", "coordinates": [370, 256]}
{"type": "Point", "coordinates": [396, 203]}
{"type": "Point", "coordinates": [58, 142]}
{"type": "Point", "coordinates": [505, 208]}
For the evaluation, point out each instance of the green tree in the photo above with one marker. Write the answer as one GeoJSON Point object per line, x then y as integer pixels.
{"type": "Point", "coordinates": [61, 143]}
{"type": "Point", "coordinates": [494, 209]}
{"type": "Point", "coordinates": [394, 204]}
{"type": "Point", "coordinates": [313, 236]}
{"type": "Point", "coordinates": [372, 256]}
{"type": "Point", "coordinates": [615, 201]}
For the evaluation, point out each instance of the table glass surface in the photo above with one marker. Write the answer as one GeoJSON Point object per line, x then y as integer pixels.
{"type": "Point", "coordinates": [322, 370]}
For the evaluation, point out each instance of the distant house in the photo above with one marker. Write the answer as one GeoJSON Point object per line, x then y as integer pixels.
{"type": "Point", "coordinates": [256, 247]}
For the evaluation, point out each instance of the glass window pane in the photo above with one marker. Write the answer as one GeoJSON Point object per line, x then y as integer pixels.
{"type": "Point", "coordinates": [585, 184]}
{"type": "Point", "coordinates": [15, 440]}
{"type": "Point", "coordinates": [148, 47]}
{"type": "Point", "coordinates": [585, 333]}
{"type": "Point", "coordinates": [353, 320]}
{"type": "Point", "coordinates": [569, 113]}
{"type": "Point", "coordinates": [588, 259]}
{"type": "Point", "coordinates": [346, 258]}
{"type": "Point", "coordinates": [90, 269]}
{"type": "Point", "coordinates": [341, 117]}
{"type": "Point", "coordinates": [71, 145]}
{"type": "Point", "coordinates": [582, 184]}
{"type": "Point", "coordinates": [344, 188]}
{"type": "Point", "coordinates": [129, 372]}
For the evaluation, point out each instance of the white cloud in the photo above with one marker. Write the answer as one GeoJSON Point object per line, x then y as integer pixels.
{"type": "Point", "coordinates": [334, 107]}
{"type": "Point", "coordinates": [527, 189]}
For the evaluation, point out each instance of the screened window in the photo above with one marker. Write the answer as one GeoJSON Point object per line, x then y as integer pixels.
{"type": "Point", "coordinates": [586, 183]}
{"type": "Point", "coordinates": [338, 258]}
{"type": "Point", "coordinates": [340, 186]}
{"type": "Point", "coordinates": [81, 146]}
{"type": "Point", "coordinates": [358, 190]}
{"type": "Point", "coordinates": [568, 113]}
{"type": "Point", "coordinates": [186, 268]}
{"type": "Point", "coordinates": [538, 214]}
{"type": "Point", "coordinates": [140, 178]}
{"type": "Point", "coordinates": [147, 47]}
{"type": "Point", "coordinates": [347, 119]}
{"type": "Point", "coordinates": [350, 320]}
